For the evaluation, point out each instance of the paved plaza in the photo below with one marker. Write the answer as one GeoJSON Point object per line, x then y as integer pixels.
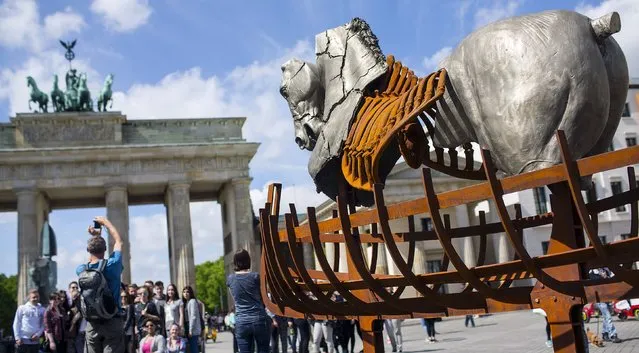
{"type": "Point", "coordinates": [509, 332]}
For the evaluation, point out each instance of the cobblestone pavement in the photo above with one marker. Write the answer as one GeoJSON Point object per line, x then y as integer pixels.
{"type": "Point", "coordinates": [509, 332]}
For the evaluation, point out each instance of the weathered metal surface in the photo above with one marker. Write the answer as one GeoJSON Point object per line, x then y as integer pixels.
{"type": "Point", "coordinates": [561, 288]}
{"type": "Point", "coordinates": [510, 86]}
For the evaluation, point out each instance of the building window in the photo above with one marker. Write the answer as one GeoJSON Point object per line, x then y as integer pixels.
{"type": "Point", "coordinates": [626, 110]}
{"type": "Point", "coordinates": [427, 224]}
{"type": "Point", "coordinates": [591, 194]}
{"type": "Point", "coordinates": [433, 266]}
{"type": "Point", "coordinates": [631, 141]}
{"type": "Point", "coordinates": [540, 200]}
{"type": "Point", "coordinates": [544, 247]}
{"type": "Point", "coordinates": [611, 147]}
{"type": "Point", "coordinates": [603, 239]}
{"type": "Point", "coordinates": [615, 186]}
{"type": "Point", "coordinates": [625, 236]}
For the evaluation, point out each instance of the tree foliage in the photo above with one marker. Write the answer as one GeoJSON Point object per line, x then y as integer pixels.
{"type": "Point", "coordinates": [211, 283]}
{"type": "Point", "coordinates": [8, 306]}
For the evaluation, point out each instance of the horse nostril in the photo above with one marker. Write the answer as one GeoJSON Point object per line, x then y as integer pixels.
{"type": "Point", "coordinates": [309, 132]}
{"type": "Point", "coordinates": [299, 142]}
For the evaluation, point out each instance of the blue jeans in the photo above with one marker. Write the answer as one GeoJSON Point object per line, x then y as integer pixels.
{"type": "Point", "coordinates": [248, 332]}
{"type": "Point", "coordinates": [608, 327]}
{"type": "Point", "coordinates": [194, 346]}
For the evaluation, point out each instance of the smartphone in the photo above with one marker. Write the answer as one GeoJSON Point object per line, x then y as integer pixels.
{"type": "Point", "coordinates": [97, 225]}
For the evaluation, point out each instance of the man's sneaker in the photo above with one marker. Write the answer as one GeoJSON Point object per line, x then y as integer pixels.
{"type": "Point", "coordinates": [615, 339]}
{"type": "Point", "coordinates": [605, 337]}
{"type": "Point", "coordinates": [549, 343]}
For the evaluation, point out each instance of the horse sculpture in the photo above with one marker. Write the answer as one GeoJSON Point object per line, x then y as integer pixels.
{"type": "Point", "coordinates": [105, 94]}
{"type": "Point", "coordinates": [85, 102]}
{"type": "Point", "coordinates": [57, 96]}
{"type": "Point", "coordinates": [508, 87]}
{"type": "Point", "coordinates": [37, 96]}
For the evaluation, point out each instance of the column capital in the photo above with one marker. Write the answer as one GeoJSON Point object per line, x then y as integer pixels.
{"type": "Point", "coordinates": [25, 190]}
{"type": "Point", "coordinates": [241, 181]}
{"type": "Point", "coordinates": [179, 184]}
{"type": "Point", "coordinates": [116, 186]}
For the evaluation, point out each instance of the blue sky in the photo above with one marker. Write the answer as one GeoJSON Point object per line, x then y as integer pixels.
{"type": "Point", "coordinates": [181, 59]}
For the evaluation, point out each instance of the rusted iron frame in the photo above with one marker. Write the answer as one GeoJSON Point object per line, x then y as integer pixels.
{"type": "Point", "coordinates": [328, 271]}
{"type": "Point", "coordinates": [280, 286]}
{"type": "Point", "coordinates": [374, 249]}
{"type": "Point", "coordinates": [446, 242]}
{"type": "Point", "coordinates": [572, 175]}
{"type": "Point", "coordinates": [336, 248]}
{"type": "Point", "coordinates": [445, 260]}
{"type": "Point", "coordinates": [497, 192]}
{"type": "Point", "coordinates": [397, 257]}
{"type": "Point", "coordinates": [323, 301]}
{"type": "Point", "coordinates": [478, 192]}
{"type": "Point", "coordinates": [490, 228]}
{"type": "Point", "coordinates": [411, 254]}
{"type": "Point", "coordinates": [520, 235]}
{"type": "Point", "coordinates": [355, 255]}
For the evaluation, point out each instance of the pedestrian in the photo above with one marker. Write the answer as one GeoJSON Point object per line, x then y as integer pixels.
{"type": "Point", "coordinates": [28, 324]}
{"type": "Point", "coordinates": [229, 321]}
{"type": "Point", "coordinates": [304, 329]}
{"type": "Point", "coordinates": [152, 342]}
{"type": "Point", "coordinates": [399, 339]}
{"type": "Point", "coordinates": [279, 331]}
{"type": "Point", "coordinates": [160, 299]}
{"type": "Point", "coordinates": [102, 334]}
{"type": "Point", "coordinates": [77, 324]}
{"type": "Point", "coordinates": [429, 326]}
{"type": "Point", "coordinates": [145, 310]}
{"type": "Point", "coordinates": [175, 343]}
{"type": "Point", "coordinates": [172, 307]}
{"type": "Point", "coordinates": [609, 331]}
{"type": "Point", "coordinates": [252, 324]}
{"type": "Point", "coordinates": [54, 325]}
{"type": "Point", "coordinates": [389, 328]}
{"type": "Point", "coordinates": [469, 319]}
{"type": "Point", "coordinates": [191, 318]}
{"type": "Point", "coordinates": [129, 323]}
{"type": "Point", "coordinates": [323, 329]}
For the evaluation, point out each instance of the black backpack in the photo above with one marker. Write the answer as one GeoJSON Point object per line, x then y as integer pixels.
{"type": "Point", "coordinates": [96, 299]}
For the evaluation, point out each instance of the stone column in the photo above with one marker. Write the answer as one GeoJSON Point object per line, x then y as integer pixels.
{"type": "Point", "coordinates": [33, 210]}
{"type": "Point", "coordinates": [181, 259]}
{"type": "Point", "coordinates": [238, 214]}
{"type": "Point", "coordinates": [117, 206]}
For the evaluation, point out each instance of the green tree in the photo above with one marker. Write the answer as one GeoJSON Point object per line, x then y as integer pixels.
{"type": "Point", "coordinates": [211, 284]}
{"type": "Point", "coordinates": [8, 294]}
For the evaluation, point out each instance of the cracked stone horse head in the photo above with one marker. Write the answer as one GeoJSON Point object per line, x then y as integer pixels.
{"type": "Point", "coordinates": [302, 88]}
{"type": "Point", "coordinates": [510, 86]}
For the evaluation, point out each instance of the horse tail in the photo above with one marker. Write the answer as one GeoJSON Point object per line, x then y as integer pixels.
{"type": "Point", "coordinates": [606, 25]}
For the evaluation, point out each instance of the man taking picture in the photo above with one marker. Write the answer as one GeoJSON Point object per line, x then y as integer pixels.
{"type": "Point", "coordinates": [104, 329]}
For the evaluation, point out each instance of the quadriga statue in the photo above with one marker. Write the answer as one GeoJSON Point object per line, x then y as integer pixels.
{"type": "Point", "coordinates": [508, 86]}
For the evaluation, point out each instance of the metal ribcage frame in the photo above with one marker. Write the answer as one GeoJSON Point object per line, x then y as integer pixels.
{"type": "Point", "coordinates": [290, 289]}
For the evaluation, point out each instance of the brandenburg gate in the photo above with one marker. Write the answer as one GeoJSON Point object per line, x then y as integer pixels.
{"type": "Point", "coordinates": [100, 159]}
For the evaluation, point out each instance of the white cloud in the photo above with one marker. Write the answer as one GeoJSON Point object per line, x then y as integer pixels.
{"type": "Point", "coordinates": [499, 9]}
{"type": "Point", "coordinates": [251, 91]}
{"type": "Point", "coordinates": [61, 23]}
{"type": "Point", "coordinates": [122, 15]}
{"type": "Point", "coordinates": [431, 62]}
{"type": "Point", "coordinates": [302, 196]}
{"type": "Point", "coordinates": [21, 28]}
{"type": "Point", "coordinates": [627, 37]}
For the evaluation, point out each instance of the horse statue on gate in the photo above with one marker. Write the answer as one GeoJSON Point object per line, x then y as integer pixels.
{"type": "Point", "coordinates": [105, 94]}
{"type": "Point", "coordinates": [509, 86]}
{"type": "Point", "coordinates": [37, 96]}
{"type": "Point", "coordinates": [84, 96]}
{"type": "Point", "coordinates": [57, 96]}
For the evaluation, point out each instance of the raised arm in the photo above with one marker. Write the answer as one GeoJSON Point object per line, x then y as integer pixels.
{"type": "Point", "coordinates": [117, 246]}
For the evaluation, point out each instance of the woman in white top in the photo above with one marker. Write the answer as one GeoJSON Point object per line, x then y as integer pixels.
{"type": "Point", "coordinates": [171, 308]}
